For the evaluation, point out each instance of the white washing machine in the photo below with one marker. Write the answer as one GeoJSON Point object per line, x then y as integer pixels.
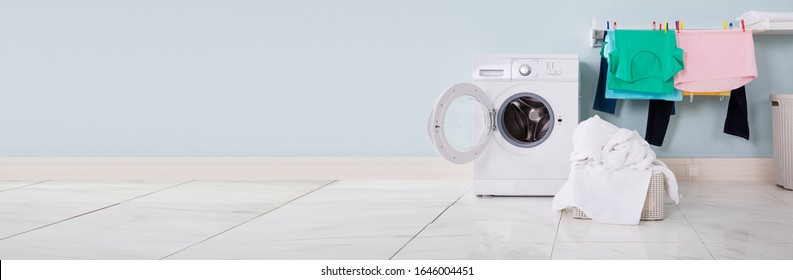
{"type": "Point", "coordinates": [515, 122]}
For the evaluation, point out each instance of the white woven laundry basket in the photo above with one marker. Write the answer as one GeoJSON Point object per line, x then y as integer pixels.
{"type": "Point", "coordinates": [782, 125]}
{"type": "Point", "coordinates": [653, 204]}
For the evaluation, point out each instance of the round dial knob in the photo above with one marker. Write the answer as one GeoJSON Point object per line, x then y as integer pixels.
{"type": "Point", "coordinates": [524, 70]}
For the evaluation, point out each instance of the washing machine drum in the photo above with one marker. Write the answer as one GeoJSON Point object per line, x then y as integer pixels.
{"type": "Point", "coordinates": [525, 119]}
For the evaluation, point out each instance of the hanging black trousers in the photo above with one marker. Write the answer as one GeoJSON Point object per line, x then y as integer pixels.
{"type": "Point", "coordinates": [658, 115]}
{"type": "Point", "coordinates": [737, 120]}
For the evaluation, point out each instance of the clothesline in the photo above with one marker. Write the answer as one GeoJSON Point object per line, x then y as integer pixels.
{"type": "Point", "coordinates": [597, 35]}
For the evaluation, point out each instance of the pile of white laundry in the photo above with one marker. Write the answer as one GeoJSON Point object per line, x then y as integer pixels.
{"type": "Point", "coordinates": [611, 173]}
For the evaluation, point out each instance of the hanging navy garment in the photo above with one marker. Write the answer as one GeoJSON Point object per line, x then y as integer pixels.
{"type": "Point", "coordinates": [737, 120]}
{"type": "Point", "coordinates": [603, 104]}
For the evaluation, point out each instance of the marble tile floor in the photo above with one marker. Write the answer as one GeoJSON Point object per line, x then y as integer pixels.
{"type": "Point", "coordinates": [378, 220]}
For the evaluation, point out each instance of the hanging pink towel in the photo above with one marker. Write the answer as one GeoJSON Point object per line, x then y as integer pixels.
{"type": "Point", "coordinates": [715, 60]}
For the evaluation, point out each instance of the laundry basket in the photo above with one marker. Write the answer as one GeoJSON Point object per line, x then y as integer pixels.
{"type": "Point", "coordinates": [653, 204]}
{"type": "Point", "coordinates": [782, 123]}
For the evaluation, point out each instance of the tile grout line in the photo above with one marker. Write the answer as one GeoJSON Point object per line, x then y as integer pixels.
{"type": "Point", "coordinates": [777, 198]}
{"type": "Point", "coordinates": [85, 213]}
{"type": "Point", "coordinates": [556, 236]}
{"type": "Point", "coordinates": [249, 220]}
{"type": "Point", "coordinates": [428, 224]}
{"type": "Point", "coordinates": [57, 222]}
{"type": "Point", "coordinates": [28, 185]}
{"type": "Point", "coordinates": [695, 232]}
{"type": "Point", "coordinates": [168, 188]}
{"type": "Point", "coordinates": [450, 206]}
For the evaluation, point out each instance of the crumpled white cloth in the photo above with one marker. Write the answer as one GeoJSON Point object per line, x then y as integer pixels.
{"type": "Point", "coordinates": [627, 149]}
{"type": "Point", "coordinates": [610, 174]}
{"type": "Point", "coordinates": [754, 16]}
{"type": "Point", "coordinates": [589, 137]}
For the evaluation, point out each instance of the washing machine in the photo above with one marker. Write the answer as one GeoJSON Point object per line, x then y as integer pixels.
{"type": "Point", "coordinates": [515, 121]}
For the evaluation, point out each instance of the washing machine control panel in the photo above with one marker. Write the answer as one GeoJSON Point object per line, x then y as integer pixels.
{"type": "Point", "coordinates": [545, 69]}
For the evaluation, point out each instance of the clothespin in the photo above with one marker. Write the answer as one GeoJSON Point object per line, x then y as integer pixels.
{"type": "Point", "coordinates": [677, 26]}
{"type": "Point", "coordinates": [725, 25]}
{"type": "Point", "coordinates": [730, 25]}
{"type": "Point", "coordinates": [681, 25]}
{"type": "Point", "coordinates": [608, 25]}
{"type": "Point", "coordinates": [615, 25]}
{"type": "Point", "coordinates": [666, 26]}
{"type": "Point", "coordinates": [653, 25]}
{"type": "Point", "coordinates": [743, 26]}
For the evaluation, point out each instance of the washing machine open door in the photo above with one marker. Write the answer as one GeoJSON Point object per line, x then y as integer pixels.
{"type": "Point", "coordinates": [461, 123]}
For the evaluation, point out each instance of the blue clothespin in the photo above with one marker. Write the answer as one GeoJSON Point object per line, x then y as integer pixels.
{"type": "Point", "coordinates": [608, 24]}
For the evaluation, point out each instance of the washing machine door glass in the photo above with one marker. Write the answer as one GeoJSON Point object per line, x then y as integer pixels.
{"type": "Point", "coordinates": [461, 123]}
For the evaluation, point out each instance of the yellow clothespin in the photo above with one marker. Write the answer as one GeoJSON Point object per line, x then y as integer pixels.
{"type": "Point", "coordinates": [681, 25]}
{"type": "Point", "coordinates": [666, 26]}
{"type": "Point", "coordinates": [725, 25]}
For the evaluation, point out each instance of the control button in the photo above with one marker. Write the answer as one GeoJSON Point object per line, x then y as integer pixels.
{"type": "Point", "coordinates": [524, 70]}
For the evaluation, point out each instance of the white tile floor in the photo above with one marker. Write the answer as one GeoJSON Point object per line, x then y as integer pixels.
{"type": "Point", "coordinates": [373, 220]}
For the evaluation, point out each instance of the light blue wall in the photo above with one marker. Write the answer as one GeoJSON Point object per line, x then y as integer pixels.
{"type": "Point", "coordinates": [314, 78]}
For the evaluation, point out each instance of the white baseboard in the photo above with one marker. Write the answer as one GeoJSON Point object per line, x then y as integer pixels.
{"type": "Point", "coordinates": [229, 168]}
{"type": "Point", "coordinates": [717, 169]}
{"type": "Point", "coordinates": [312, 168]}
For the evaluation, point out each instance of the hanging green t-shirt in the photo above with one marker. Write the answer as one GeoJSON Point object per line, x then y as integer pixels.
{"type": "Point", "coordinates": [644, 60]}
